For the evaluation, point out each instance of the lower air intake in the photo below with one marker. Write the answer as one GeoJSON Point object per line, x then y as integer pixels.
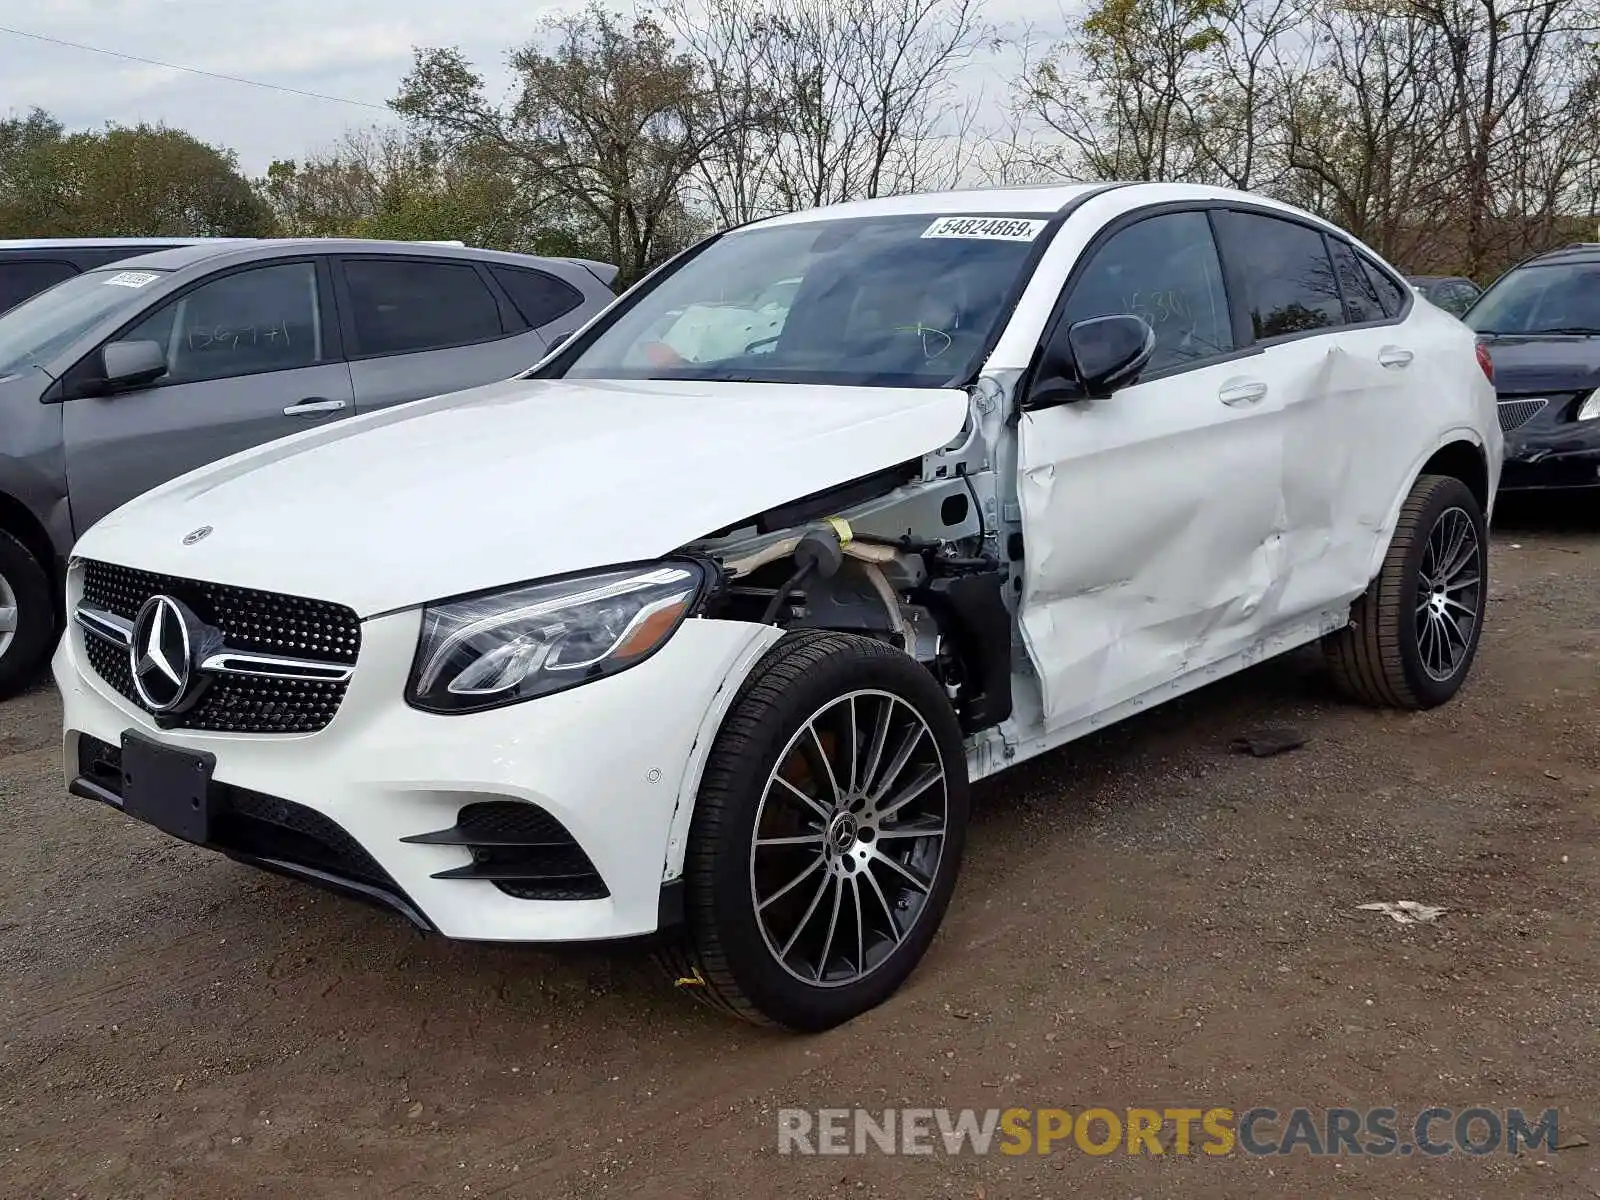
{"type": "Point", "coordinates": [522, 850]}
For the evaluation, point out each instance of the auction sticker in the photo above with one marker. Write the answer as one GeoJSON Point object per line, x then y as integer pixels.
{"type": "Point", "coordinates": [994, 229]}
{"type": "Point", "coordinates": [132, 278]}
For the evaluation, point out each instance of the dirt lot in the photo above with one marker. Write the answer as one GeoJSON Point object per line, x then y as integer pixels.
{"type": "Point", "coordinates": [1145, 919]}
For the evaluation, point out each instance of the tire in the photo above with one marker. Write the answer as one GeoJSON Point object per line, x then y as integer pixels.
{"type": "Point", "coordinates": [27, 608]}
{"type": "Point", "coordinates": [1391, 655]}
{"type": "Point", "coordinates": [731, 953]}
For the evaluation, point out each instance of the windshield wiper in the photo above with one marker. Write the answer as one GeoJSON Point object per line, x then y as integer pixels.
{"type": "Point", "coordinates": [1576, 330]}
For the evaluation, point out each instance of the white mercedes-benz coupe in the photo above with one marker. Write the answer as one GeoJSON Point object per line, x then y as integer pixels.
{"type": "Point", "coordinates": [702, 627]}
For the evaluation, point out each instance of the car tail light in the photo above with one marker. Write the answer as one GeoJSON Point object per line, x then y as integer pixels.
{"type": "Point", "coordinates": [1486, 362]}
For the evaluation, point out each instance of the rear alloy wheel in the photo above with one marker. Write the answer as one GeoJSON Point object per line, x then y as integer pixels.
{"type": "Point", "coordinates": [1414, 633]}
{"type": "Point", "coordinates": [827, 837]}
{"type": "Point", "coordinates": [27, 616]}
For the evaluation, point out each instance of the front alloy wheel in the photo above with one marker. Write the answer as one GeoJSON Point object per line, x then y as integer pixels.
{"type": "Point", "coordinates": [827, 835]}
{"type": "Point", "coordinates": [848, 838]}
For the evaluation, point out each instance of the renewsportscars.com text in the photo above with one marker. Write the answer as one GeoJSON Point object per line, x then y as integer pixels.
{"type": "Point", "coordinates": [1215, 1131]}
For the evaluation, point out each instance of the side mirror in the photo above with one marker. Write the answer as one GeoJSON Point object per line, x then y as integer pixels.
{"type": "Point", "coordinates": [1110, 351]}
{"type": "Point", "coordinates": [1092, 358]}
{"type": "Point", "coordinates": [131, 365]}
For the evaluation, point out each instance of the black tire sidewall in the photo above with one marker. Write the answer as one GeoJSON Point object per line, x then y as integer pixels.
{"type": "Point", "coordinates": [1447, 493]}
{"type": "Point", "coordinates": [779, 995]}
{"type": "Point", "coordinates": [36, 616]}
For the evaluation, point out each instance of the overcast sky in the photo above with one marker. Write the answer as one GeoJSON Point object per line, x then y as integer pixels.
{"type": "Point", "coordinates": [353, 49]}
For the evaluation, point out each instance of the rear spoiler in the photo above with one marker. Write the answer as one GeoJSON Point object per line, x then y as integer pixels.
{"type": "Point", "coordinates": [605, 272]}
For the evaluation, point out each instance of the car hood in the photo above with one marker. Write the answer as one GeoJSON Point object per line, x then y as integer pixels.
{"type": "Point", "coordinates": [1538, 364]}
{"type": "Point", "coordinates": [515, 481]}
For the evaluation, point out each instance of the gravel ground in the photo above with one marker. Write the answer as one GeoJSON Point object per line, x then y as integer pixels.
{"type": "Point", "coordinates": [1144, 920]}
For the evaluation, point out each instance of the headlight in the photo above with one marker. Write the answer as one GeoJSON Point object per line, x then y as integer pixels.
{"type": "Point", "coordinates": [1590, 408]}
{"type": "Point", "coordinates": [509, 646]}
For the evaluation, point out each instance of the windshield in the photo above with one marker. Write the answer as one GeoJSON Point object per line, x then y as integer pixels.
{"type": "Point", "coordinates": [38, 329]}
{"type": "Point", "coordinates": [1551, 298]}
{"type": "Point", "coordinates": [892, 301]}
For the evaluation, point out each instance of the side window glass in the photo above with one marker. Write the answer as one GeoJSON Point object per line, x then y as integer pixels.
{"type": "Point", "coordinates": [1390, 292]}
{"type": "Point", "coordinates": [403, 305]}
{"type": "Point", "coordinates": [264, 319]}
{"type": "Point", "coordinates": [1166, 270]}
{"type": "Point", "coordinates": [1361, 300]}
{"type": "Point", "coordinates": [1461, 297]}
{"type": "Point", "coordinates": [540, 298]}
{"type": "Point", "coordinates": [1287, 273]}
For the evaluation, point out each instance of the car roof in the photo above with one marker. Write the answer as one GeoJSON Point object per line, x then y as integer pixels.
{"type": "Point", "coordinates": [1575, 252]}
{"type": "Point", "coordinates": [107, 243]}
{"type": "Point", "coordinates": [222, 253]}
{"type": "Point", "coordinates": [1026, 198]}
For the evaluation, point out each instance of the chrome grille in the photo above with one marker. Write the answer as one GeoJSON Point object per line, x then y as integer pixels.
{"type": "Point", "coordinates": [250, 621]}
{"type": "Point", "coordinates": [1514, 413]}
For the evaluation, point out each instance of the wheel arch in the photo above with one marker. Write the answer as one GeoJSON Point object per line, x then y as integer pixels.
{"type": "Point", "coordinates": [761, 639]}
{"type": "Point", "coordinates": [1459, 453]}
{"type": "Point", "coordinates": [17, 520]}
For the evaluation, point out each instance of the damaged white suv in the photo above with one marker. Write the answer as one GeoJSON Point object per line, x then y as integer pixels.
{"type": "Point", "coordinates": [704, 636]}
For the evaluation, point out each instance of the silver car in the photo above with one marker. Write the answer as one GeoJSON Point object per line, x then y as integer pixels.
{"type": "Point", "coordinates": [122, 378]}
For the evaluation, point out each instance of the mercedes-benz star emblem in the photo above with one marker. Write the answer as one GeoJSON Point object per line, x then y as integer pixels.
{"type": "Point", "coordinates": [162, 653]}
{"type": "Point", "coordinates": [199, 535]}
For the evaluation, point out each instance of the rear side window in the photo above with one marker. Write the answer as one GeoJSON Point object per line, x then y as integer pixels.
{"type": "Point", "coordinates": [1361, 299]}
{"type": "Point", "coordinates": [1287, 273]}
{"type": "Point", "coordinates": [1390, 291]}
{"type": "Point", "coordinates": [263, 319]}
{"type": "Point", "coordinates": [403, 305]}
{"type": "Point", "coordinates": [20, 280]}
{"type": "Point", "coordinates": [540, 298]}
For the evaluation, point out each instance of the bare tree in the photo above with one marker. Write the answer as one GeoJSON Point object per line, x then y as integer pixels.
{"type": "Point", "coordinates": [609, 123]}
{"type": "Point", "coordinates": [1121, 93]}
{"type": "Point", "coordinates": [842, 99]}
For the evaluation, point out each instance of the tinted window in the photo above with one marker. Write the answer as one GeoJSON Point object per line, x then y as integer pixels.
{"type": "Point", "coordinates": [540, 298]}
{"type": "Point", "coordinates": [1164, 269]}
{"type": "Point", "coordinates": [1361, 299]}
{"type": "Point", "coordinates": [1390, 291]}
{"type": "Point", "coordinates": [400, 305]}
{"type": "Point", "coordinates": [19, 280]}
{"type": "Point", "coordinates": [263, 319]}
{"type": "Point", "coordinates": [1287, 275]}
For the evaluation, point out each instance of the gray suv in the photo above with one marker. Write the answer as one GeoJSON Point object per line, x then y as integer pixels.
{"type": "Point", "coordinates": [122, 378]}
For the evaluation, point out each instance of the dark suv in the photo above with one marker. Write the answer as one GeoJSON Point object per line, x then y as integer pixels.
{"type": "Point", "coordinates": [1541, 320]}
{"type": "Point", "coordinates": [29, 265]}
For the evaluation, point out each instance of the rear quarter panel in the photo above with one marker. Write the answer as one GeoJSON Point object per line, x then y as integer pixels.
{"type": "Point", "coordinates": [1449, 400]}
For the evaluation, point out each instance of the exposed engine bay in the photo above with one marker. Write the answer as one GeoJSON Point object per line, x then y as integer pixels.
{"type": "Point", "coordinates": [910, 556]}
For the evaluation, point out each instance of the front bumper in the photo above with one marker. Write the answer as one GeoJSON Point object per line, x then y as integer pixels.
{"type": "Point", "coordinates": [614, 765]}
{"type": "Point", "coordinates": [1552, 452]}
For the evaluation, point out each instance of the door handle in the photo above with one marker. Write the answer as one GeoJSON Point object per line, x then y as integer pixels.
{"type": "Point", "coordinates": [314, 406]}
{"type": "Point", "coordinates": [1242, 391]}
{"type": "Point", "coordinates": [1395, 357]}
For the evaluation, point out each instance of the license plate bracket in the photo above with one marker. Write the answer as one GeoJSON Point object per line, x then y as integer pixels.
{"type": "Point", "coordinates": [167, 787]}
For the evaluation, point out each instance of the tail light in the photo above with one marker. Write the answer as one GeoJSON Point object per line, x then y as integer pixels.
{"type": "Point", "coordinates": [1486, 362]}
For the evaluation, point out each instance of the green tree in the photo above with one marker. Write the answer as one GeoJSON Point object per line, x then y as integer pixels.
{"type": "Point", "coordinates": [406, 185]}
{"type": "Point", "coordinates": [607, 125]}
{"type": "Point", "coordinates": [121, 181]}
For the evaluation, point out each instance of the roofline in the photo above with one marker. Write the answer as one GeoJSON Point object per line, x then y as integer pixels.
{"type": "Point", "coordinates": [90, 243]}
